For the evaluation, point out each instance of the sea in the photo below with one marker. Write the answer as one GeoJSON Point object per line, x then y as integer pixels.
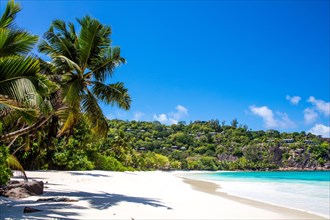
{"type": "Point", "coordinates": [308, 191]}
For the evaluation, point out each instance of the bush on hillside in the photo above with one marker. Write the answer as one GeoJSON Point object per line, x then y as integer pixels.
{"type": "Point", "coordinates": [108, 163]}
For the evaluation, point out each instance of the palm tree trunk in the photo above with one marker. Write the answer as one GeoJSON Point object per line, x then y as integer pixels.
{"type": "Point", "coordinates": [25, 130]}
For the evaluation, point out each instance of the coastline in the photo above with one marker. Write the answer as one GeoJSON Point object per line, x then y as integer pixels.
{"type": "Point", "coordinates": [137, 195]}
{"type": "Point", "coordinates": [212, 188]}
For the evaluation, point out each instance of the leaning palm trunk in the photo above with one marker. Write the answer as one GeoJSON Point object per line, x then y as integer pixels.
{"type": "Point", "coordinates": [25, 130]}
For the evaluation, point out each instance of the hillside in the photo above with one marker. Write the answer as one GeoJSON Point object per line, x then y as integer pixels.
{"type": "Point", "coordinates": [199, 145]}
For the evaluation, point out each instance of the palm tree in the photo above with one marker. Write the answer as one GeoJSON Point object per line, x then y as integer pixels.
{"type": "Point", "coordinates": [82, 62]}
{"type": "Point", "coordinates": [23, 90]}
{"type": "Point", "coordinates": [16, 69]}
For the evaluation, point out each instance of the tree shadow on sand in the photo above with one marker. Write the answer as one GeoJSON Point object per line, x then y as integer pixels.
{"type": "Point", "coordinates": [105, 200]}
{"type": "Point", "coordinates": [14, 210]}
{"type": "Point", "coordinates": [99, 201]}
{"type": "Point", "coordinates": [87, 174]}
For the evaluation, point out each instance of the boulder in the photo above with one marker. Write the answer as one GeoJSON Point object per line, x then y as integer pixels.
{"type": "Point", "coordinates": [35, 187]}
{"type": "Point", "coordinates": [23, 189]}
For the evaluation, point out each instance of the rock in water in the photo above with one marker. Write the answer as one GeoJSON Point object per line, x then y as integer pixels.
{"type": "Point", "coordinates": [29, 210]}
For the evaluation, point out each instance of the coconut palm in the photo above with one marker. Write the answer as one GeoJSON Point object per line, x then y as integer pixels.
{"type": "Point", "coordinates": [22, 88]}
{"type": "Point", "coordinates": [16, 70]}
{"type": "Point", "coordinates": [82, 62]}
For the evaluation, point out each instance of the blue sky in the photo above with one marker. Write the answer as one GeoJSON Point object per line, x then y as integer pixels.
{"type": "Point", "coordinates": [265, 63]}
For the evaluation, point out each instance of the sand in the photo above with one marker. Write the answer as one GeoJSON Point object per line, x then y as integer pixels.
{"type": "Point", "coordinates": [137, 195]}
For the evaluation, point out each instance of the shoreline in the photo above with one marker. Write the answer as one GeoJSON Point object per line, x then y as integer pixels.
{"type": "Point", "coordinates": [212, 188]}
{"type": "Point", "coordinates": [137, 195]}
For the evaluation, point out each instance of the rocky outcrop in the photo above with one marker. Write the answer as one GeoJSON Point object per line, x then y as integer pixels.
{"type": "Point", "coordinates": [303, 161]}
{"type": "Point", "coordinates": [225, 157]}
{"type": "Point", "coordinates": [22, 189]}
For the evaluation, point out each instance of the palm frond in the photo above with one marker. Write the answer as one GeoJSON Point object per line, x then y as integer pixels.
{"type": "Point", "coordinates": [10, 107]}
{"type": "Point", "coordinates": [72, 91]}
{"type": "Point", "coordinates": [14, 42]}
{"type": "Point", "coordinates": [68, 117]}
{"type": "Point", "coordinates": [73, 35]}
{"type": "Point", "coordinates": [44, 85]}
{"type": "Point", "coordinates": [69, 63]}
{"type": "Point", "coordinates": [103, 67]}
{"type": "Point", "coordinates": [9, 14]}
{"type": "Point", "coordinates": [17, 78]}
{"type": "Point", "coordinates": [46, 48]}
{"type": "Point", "coordinates": [48, 69]}
{"type": "Point", "coordinates": [114, 94]}
{"type": "Point", "coordinates": [94, 115]}
{"type": "Point", "coordinates": [15, 164]}
{"type": "Point", "coordinates": [68, 124]}
{"type": "Point", "coordinates": [56, 45]}
{"type": "Point", "coordinates": [93, 37]}
{"type": "Point", "coordinates": [17, 66]}
{"type": "Point", "coordinates": [20, 89]}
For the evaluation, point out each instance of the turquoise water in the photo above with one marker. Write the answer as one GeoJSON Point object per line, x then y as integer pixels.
{"type": "Point", "coordinates": [285, 176]}
{"type": "Point", "coordinates": [307, 190]}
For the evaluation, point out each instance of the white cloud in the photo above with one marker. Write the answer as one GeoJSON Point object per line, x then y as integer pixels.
{"type": "Point", "coordinates": [266, 114]}
{"type": "Point", "coordinates": [172, 121]}
{"type": "Point", "coordinates": [282, 121]}
{"type": "Point", "coordinates": [181, 112]}
{"type": "Point", "coordinates": [320, 129]}
{"type": "Point", "coordinates": [294, 99]}
{"type": "Point", "coordinates": [162, 118]}
{"type": "Point", "coordinates": [138, 116]}
{"type": "Point", "coordinates": [172, 117]}
{"type": "Point", "coordinates": [310, 115]}
{"type": "Point", "coordinates": [320, 105]}
{"type": "Point", "coordinates": [182, 109]}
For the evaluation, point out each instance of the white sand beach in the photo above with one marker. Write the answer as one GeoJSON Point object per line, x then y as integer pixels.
{"type": "Point", "coordinates": [137, 195]}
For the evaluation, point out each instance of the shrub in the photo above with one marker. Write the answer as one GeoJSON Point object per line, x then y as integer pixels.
{"type": "Point", "coordinates": [70, 157]}
{"type": "Point", "coordinates": [175, 165]}
{"type": "Point", "coordinates": [5, 172]}
{"type": "Point", "coordinates": [108, 163]}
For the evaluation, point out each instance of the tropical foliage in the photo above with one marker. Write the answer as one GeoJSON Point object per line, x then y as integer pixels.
{"type": "Point", "coordinates": [5, 172]}
{"type": "Point", "coordinates": [54, 95]}
{"type": "Point", "coordinates": [83, 62]}
{"type": "Point", "coordinates": [195, 146]}
{"type": "Point", "coordinates": [23, 90]}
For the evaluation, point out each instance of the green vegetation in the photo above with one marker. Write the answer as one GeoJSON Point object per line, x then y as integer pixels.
{"type": "Point", "coordinates": [82, 62]}
{"type": "Point", "coordinates": [195, 146]}
{"type": "Point", "coordinates": [5, 172]}
{"type": "Point", "coordinates": [41, 102]}
{"type": "Point", "coordinates": [50, 116]}
{"type": "Point", "coordinates": [210, 146]}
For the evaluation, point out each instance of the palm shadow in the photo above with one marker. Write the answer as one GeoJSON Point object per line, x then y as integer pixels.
{"type": "Point", "coordinates": [87, 174]}
{"type": "Point", "coordinates": [99, 201]}
{"type": "Point", "coordinates": [105, 200]}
